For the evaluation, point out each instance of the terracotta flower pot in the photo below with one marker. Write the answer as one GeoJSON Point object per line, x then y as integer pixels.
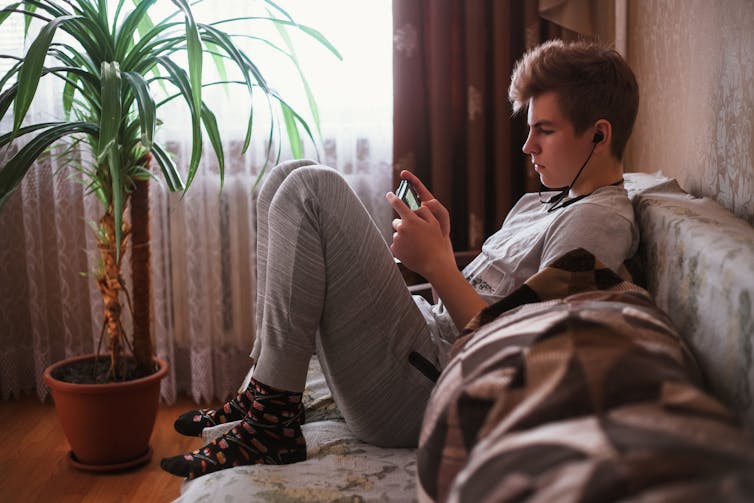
{"type": "Point", "coordinates": [108, 426]}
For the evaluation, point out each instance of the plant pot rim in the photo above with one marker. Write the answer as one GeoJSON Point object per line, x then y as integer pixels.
{"type": "Point", "coordinates": [103, 387]}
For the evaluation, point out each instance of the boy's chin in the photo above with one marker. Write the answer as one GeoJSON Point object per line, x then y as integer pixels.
{"type": "Point", "coordinates": [551, 185]}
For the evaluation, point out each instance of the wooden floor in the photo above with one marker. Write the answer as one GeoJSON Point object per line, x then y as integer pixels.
{"type": "Point", "coordinates": [33, 464]}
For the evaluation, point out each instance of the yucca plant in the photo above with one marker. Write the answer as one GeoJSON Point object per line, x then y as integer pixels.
{"type": "Point", "coordinates": [120, 64]}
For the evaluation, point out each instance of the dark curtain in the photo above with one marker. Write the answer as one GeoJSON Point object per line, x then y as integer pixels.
{"type": "Point", "coordinates": [452, 61]}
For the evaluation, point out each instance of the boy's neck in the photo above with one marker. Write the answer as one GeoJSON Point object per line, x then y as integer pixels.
{"type": "Point", "coordinates": [601, 174]}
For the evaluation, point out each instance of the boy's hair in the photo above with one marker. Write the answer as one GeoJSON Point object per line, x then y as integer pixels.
{"type": "Point", "coordinates": [591, 81]}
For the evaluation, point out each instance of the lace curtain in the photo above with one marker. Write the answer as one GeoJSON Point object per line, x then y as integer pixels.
{"type": "Point", "coordinates": [202, 243]}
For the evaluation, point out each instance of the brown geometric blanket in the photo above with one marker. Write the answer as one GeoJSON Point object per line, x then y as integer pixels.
{"type": "Point", "coordinates": [577, 387]}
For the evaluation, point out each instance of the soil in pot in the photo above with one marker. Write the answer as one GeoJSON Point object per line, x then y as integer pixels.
{"type": "Point", "coordinates": [97, 371]}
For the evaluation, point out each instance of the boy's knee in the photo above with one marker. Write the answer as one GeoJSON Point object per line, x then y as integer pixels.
{"type": "Point", "coordinates": [286, 167]}
{"type": "Point", "coordinates": [277, 175]}
{"type": "Point", "coordinates": [317, 179]}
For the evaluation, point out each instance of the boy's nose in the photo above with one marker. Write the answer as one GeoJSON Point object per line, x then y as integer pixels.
{"type": "Point", "coordinates": [529, 146]}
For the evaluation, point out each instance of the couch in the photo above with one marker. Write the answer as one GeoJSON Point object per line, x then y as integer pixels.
{"type": "Point", "coordinates": [583, 386]}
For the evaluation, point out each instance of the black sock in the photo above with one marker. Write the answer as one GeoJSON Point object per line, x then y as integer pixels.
{"type": "Point", "coordinates": [270, 433]}
{"type": "Point", "coordinates": [192, 423]}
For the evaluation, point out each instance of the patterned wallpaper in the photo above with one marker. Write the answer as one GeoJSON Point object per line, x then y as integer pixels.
{"type": "Point", "coordinates": [694, 60]}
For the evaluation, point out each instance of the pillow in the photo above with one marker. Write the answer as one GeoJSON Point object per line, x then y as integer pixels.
{"type": "Point", "coordinates": [576, 387]}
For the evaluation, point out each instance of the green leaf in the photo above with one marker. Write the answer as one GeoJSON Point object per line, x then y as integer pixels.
{"type": "Point", "coordinates": [108, 148]}
{"type": "Point", "coordinates": [135, 20]}
{"type": "Point", "coordinates": [31, 69]}
{"type": "Point", "coordinates": [210, 125]}
{"type": "Point", "coordinates": [294, 138]}
{"type": "Point", "coordinates": [307, 89]}
{"type": "Point", "coordinates": [53, 9]}
{"type": "Point", "coordinates": [288, 110]}
{"type": "Point", "coordinates": [17, 167]}
{"type": "Point", "coordinates": [222, 40]}
{"type": "Point", "coordinates": [147, 110]}
{"type": "Point", "coordinates": [316, 34]}
{"type": "Point", "coordinates": [279, 9]}
{"type": "Point", "coordinates": [180, 79]}
{"type": "Point", "coordinates": [6, 98]}
{"type": "Point", "coordinates": [195, 55]}
{"type": "Point", "coordinates": [102, 9]}
{"type": "Point", "coordinates": [268, 145]}
{"type": "Point", "coordinates": [116, 16]}
{"type": "Point", "coordinates": [169, 171]}
{"type": "Point", "coordinates": [218, 60]}
{"type": "Point", "coordinates": [30, 8]}
{"type": "Point", "coordinates": [145, 24]}
{"type": "Point", "coordinates": [69, 89]}
{"type": "Point", "coordinates": [7, 11]}
{"type": "Point", "coordinates": [111, 105]}
{"type": "Point", "coordinates": [11, 72]}
{"type": "Point", "coordinates": [247, 138]}
{"type": "Point", "coordinates": [9, 137]}
{"type": "Point", "coordinates": [308, 30]}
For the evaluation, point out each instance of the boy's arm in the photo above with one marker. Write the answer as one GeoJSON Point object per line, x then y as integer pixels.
{"type": "Point", "coordinates": [422, 242]}
{"type": "Point", "coordinates": [458, 296]}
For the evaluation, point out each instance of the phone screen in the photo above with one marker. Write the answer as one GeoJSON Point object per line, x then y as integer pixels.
{"type": "Point", "coordinates": [409, 196]}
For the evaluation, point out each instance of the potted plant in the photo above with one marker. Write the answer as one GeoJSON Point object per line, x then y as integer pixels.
{"type": "Point", "coordinates": [114, 64]}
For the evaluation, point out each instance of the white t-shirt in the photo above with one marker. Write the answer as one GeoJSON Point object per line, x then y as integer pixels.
{"type": "Point", "coordinates": [530, 239]}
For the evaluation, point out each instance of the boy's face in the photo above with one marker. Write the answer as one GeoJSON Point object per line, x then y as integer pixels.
{"type": "Point", "coordinates": [556, 152]}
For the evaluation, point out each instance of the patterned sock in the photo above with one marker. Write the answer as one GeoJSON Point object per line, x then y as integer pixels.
{"type": "Point", "coordinates": [269, 434]}
{"type": "Point", "coordinates": [192, 423]}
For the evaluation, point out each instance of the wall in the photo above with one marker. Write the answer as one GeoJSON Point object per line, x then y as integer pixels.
{"type": "Point", "coordinates": [694, 60]}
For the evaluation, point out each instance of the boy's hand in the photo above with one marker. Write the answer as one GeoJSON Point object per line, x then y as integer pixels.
{"type": "Point", "coordinates": [422, 237]}
{"type": "Point", "coordinates": [428, 200]}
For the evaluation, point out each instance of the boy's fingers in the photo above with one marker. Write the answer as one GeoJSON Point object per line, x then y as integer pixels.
{"type": "Point", "coordinates": [398, 205]}
{"type": "Point", "coordinates": [440, 213]}
{"type": "Point", "coordinates": [425, 213]}
{"type": "Point", "coordinates": [421, 189]}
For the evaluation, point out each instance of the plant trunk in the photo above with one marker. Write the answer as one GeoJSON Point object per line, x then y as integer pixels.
{"type": "Point", "coordinates": [141, 287]}
{"type": "Point", "coordinates": [110, 283]}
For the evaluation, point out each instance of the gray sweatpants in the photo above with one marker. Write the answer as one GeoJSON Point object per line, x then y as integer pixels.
{"type": "Point", "coordinates": [327, 282]}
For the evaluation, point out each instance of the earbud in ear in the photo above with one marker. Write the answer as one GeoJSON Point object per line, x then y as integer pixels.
{"type": "Point", "coordinates": [598, 137]}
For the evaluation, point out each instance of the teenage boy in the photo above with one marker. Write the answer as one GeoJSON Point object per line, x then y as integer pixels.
{"type": "Point", "coordinates": [327, 283]}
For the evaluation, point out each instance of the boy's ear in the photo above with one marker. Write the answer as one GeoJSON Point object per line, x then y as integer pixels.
{"type": "Point", "coordinates": [603, 130]}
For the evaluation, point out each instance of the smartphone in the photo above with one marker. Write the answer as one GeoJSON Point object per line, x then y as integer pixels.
{"type": "Point", "coordinates": [408, 195]}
